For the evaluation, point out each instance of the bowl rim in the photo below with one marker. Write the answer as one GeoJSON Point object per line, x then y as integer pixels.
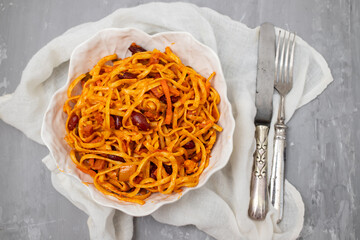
{"type": "Point", "coordinates": [215, 169]}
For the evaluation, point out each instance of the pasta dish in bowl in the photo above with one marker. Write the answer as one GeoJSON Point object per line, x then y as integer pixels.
{"type": "Point", "coordinates": [144, 123]}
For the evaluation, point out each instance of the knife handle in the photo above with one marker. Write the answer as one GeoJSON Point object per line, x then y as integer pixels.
{"type": "Point", "coordinates": [277, 172]}
{"type": "Point", "coordinates": [258, 188]}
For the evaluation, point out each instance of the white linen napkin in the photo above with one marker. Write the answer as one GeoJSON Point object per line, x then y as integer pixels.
{"type": "Point", "coordinates": [220, 207]}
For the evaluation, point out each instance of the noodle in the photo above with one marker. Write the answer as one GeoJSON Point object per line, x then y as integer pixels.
{"type": "Point", "coordinates": [142, 124]}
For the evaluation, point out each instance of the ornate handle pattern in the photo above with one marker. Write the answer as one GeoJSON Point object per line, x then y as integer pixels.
{"type": "Point", "coordinates": [258, 189]}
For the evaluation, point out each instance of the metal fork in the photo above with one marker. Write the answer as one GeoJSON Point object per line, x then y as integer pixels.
{"type": "Point", "coordinates": [284, 62]}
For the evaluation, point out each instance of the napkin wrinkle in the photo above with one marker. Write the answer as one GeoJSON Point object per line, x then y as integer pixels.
{"type": "Point", "coordinates": [100, 221]}
{"type": "Point", "coordinates": [204, 214]}
{"type": "Point", "coordinates": [123, 225]}
{"type": "Point", "coordinates": [5, 98]}
{"type": "Point", "coordinates": [219, 208]}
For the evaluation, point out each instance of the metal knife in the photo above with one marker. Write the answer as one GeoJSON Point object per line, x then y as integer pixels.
{"type": "Point", "coordinates": [263, 101]}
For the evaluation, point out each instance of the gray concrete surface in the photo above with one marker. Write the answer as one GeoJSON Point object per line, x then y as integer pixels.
{"type": "Point", "coordinates": [324, 135]}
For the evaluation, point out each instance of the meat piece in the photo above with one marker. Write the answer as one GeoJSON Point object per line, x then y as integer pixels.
{"type": "Point", "coordinates": [151, 115]}
{"type": "Point", "coordinates": [174, 99]}
{"type": "Point", "coordinates": [112, 174]}
{"type": "Point", "coordinates": [99, 118]}
{"type": "Point", "coordinates": [99, 164]}
{"type": "Point", "coordinates": [87, 171]}
{"type": "Point", "coordinates": [87, 131]}
{"type": "Point", "coordinates": [197, 157]}
{"type": "Point", "coordinates": [90, 162]}
{"type": "Point", "coordinates": [190, 166]}
{"type": "Point", "coordinates": [125, 172]}
{"type": "Point", "coordinates": [112, 122]}
{"type": "Point", "coordinates": [154, 59]}
{"type": "Point", "coordinates": [138, 179]}
{"type": "Point", "coordinates": [127, 75]}
{"type": "Point", "coordinates": [163, 99]}
{"type": "Point", "coordinates": [136, 48]}
{"type": "Point", "coordinates": [175, 70]}
{"type": "Point", "coordinates": [154, 75]}
{"type": "Point", "coordinates": [96, 140]}
{"type": "Point", "coordinates": [157, 91]}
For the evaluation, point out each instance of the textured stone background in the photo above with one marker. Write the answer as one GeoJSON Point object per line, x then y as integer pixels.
{"type": "Point", "coordinates": [323, 134]}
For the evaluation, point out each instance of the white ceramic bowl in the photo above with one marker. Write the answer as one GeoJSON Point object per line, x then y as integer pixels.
{"type": "Point", "coordinates": [110, 41]}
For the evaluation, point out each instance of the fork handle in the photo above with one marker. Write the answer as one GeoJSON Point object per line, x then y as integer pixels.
{"type": "Point", "coordinates": [277, 173]}
{"type": "Point", "coordinates": [258, 188]}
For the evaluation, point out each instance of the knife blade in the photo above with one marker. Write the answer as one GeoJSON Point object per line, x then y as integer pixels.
{"type": "Point", "coordinates": [263, 102]}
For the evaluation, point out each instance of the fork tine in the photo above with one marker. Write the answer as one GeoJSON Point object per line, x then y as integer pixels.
{"type": "Point", "coordinates": [291, 65]}
{"type": "Point", "coordinates": [281, 69]}
{"type": "Point", "coordinates": [286, 60]}
{"type": "Point", "coordinates": [277, 57]}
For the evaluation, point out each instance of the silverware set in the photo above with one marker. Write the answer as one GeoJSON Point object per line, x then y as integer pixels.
{"type": "Point", "coordinates": [275, 70]}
